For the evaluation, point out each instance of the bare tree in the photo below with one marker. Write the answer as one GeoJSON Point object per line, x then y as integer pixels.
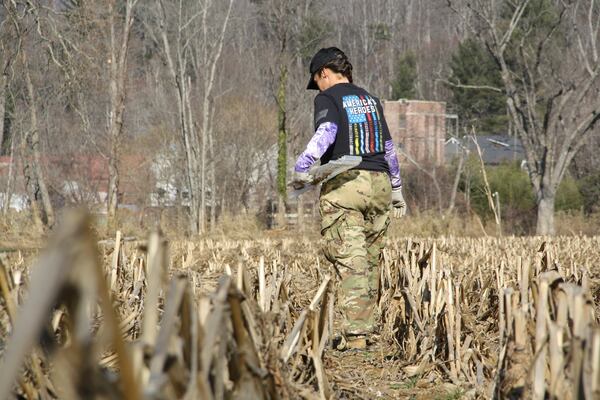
{"type": "Point", "coordinates": [119, 47]}
{"type": "Point", "coordinates": [33, 152]}
{"type": "Point", "coordinates": [547, 53]}
{"type": "Point", "coordinates": [8, 56]}
{"type": "Point", "coordinates": [22, 17]}
{"type": "Point", "coordinates": [431, 174]}
{"type": "Point", "coordinates": [168, 31]}
{"type": "Point", "coordinates": [278, 15]}
{"type": "Point", "coordinates": [192, 48]}
{"type": "Point", "coordinates": [206, 55]}
{"type": "Point", "coordinates": [200, 78]}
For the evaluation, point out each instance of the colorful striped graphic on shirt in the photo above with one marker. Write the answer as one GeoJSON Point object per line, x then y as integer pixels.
{"type": "Point", "coordinates": [365, 133]}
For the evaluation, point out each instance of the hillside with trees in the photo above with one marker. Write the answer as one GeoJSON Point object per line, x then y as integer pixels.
{"type": "Point", "coordinates": [199, 108]}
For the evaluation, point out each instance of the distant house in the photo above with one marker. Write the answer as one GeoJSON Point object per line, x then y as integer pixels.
{"type": "Point", "coordinates": [83, 179]}
{"type": "Point", "coordinates": [495, 149]}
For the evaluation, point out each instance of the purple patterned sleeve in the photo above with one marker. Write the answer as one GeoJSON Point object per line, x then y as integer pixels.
{"type": "Point", "coordinates": [394, 166]}
{"type": "Point", "coordinates": [318, 145]}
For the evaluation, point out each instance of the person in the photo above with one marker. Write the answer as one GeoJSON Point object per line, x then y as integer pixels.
{"type": "Point", "coordinates": [354, 205]}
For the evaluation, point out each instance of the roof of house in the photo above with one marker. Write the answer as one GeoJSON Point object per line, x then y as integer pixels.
{"type": "Point", "coordinates": [495, 149]}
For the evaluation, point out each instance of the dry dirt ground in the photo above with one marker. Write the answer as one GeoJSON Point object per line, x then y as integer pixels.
{"type": "Point", "coordinates": [376, 374]}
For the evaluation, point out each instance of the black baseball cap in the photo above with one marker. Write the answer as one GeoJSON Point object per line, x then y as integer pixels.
{"type": "Point", "coordinates": [318, 61]}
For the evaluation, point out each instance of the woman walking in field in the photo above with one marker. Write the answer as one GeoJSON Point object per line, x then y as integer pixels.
{"type": "Point", "coordinates": [355, 205]}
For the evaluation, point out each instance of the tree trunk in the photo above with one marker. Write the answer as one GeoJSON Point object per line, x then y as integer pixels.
{"type": "Point", "coordinates": [8, 191]}
{"type": "Point", "coordinates": [545, 214]}
{"type": "Point", "coordinates": [213, 199]}
{"type": "Point", "coordinates": [3, 91]}
{"type": "Point", "coordinates": [176, 62]}
{"type": "Point", "coordinates": [191, 150]}
{"type": "Point", "coordinates": [223, 200]}
{"type": "Point", "coordinates": [300, 214]}
{"type": "Point", "coordinates": [459, 169]}
{"type": "Point", "coordinates": [281, 220]}
{"type": "Point", "coordinates": [468, 190]}
{"type": "Point", "coordinates": [113, 128]}
{"type": "Point", "coordinates": [205, 125]}
{"type": "Point", "coordinates": [113, 188]}
{"type": "Point", "coordinates": [209, 80]}
{"type": "Point", "coordinates": [31, 186]}
{"type": "Point", "coordinates": [282, 144]}
{"type": "Point", "coordinates": [212, 180]}
{"type": "Point", "coordinates": [117, 92]}
{"type": "Point", "coordinates": [39, 188]}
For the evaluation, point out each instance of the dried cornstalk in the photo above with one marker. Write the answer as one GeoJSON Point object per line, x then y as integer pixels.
{"type": "Point", "coordinates": [454, 309]}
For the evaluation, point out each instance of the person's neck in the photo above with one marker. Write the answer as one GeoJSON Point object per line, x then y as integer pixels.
{"type": "Point", "coordinates": [338, 81]}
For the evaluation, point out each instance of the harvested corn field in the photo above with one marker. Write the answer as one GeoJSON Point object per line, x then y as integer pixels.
{"type": "Point", "coordinates": [254, 319]}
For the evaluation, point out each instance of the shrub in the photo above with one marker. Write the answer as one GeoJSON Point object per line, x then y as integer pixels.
{"type": "Point", "coordinates": [568, 196]}
{"type": "Point", "coordinates": [517, 199]}
{"type": "Point", "coordinates": [589, 188]}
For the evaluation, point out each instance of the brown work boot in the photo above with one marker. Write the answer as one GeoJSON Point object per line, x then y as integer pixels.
{"type": "Point", "coordinates": [355, 342]}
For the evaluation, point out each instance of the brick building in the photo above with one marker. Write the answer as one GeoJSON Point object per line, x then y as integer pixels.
{"type": "Point", "coordinates": [418, 128]}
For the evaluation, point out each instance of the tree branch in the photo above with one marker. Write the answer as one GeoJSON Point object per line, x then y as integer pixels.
{"type": "Point", "coordinates": [464, 86]}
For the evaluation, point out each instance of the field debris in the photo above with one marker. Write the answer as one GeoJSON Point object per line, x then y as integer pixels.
{"type": "Point", "coordinates": [139, 329]}
{"type": "Point", "coordinates": [216, 319]}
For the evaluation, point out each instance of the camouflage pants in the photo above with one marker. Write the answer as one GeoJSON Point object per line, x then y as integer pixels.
{"type": "Point", "coordinates": [355, 208]}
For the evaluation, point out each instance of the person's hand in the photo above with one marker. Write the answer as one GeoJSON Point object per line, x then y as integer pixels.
{"type": "Point", "coordinates": [398, 202]}
{"type": "Point", "coordinates": [301, 179]}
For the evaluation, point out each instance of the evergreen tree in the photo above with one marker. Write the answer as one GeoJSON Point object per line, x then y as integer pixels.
{"type": "Point", "coordinates": [472, 65]}
{"type": "Point", "coordinates": [310, 36]}
{"type": "Point", "coordinates": [403, 85]}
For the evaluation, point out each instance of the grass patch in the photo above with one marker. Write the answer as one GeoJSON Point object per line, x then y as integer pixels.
{"type": "Point", "coordinates": [411, 383]}
{"type": "Point", "coordinates": [455, 394]}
